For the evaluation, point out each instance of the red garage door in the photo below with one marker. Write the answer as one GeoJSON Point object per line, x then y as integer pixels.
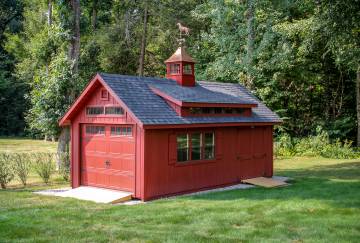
{"type": "Point", "coordinates": [108, 156]}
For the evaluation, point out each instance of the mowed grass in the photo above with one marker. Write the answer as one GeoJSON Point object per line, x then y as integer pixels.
{"type": "Point", "coordinates": [22, 145]}
{"type": "Point", "coordinates": [321, 205]}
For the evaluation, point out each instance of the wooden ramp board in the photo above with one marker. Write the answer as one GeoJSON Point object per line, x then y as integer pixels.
{"type": "Point", "coordinates": [265, 182]}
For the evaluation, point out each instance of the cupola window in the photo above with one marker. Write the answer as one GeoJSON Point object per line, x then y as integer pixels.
{"type": "Point", "coordinates": [187, 69]}
{"type": "Point", "coordinates": [174, 68]}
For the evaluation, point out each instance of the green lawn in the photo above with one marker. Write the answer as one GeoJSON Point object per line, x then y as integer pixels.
{"type": "Point", "coordinates": [21, 145]}
{"type": "Point", "coordinates": [321, 205]}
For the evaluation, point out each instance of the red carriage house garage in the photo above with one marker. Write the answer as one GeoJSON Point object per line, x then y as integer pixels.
{"type": "Point", "coordinates": [164, 136]}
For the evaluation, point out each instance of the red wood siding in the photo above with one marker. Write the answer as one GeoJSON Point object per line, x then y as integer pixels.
{"type": "Point", "coordinates": [240, 153]}
{"type": "Point", "coordinates": [94, 99]}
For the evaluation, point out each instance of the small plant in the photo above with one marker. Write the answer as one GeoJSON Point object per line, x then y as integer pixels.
{"type": "Point", "coordinates": [22, 166]}
{"type": "Point", "coordinates": [6, 170]}
{"type": "Point", "coordinates": [63, 159]}
{"type": "Point", "coordinates": [44, 165]}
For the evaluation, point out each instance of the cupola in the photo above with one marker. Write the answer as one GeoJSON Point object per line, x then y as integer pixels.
{"type": "Point", "coordinates": [180, 67]}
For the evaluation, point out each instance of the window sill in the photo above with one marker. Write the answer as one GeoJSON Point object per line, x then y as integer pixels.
{"type": "Point", "coordinates": [195, 162]}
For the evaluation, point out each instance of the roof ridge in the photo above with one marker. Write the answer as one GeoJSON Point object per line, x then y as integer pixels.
{"type": "Point", "coordinates": [133, 76]}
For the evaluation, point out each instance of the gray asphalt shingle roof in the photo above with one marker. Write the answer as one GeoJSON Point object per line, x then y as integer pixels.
{"type": "Point", "coordinates": [152, 109]}
{"type": "Point", "coordinates": [199, 94]}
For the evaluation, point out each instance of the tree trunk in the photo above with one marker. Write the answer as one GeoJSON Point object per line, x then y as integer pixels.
{"type": "Point", "coordinates": [127, 27]}
{"type": "Point", "coordinates": [358, 105]}
{"type": "Point", "coordinates": [63, 143]}
{"type": "Point", "coordinates": [94, 15]}
{"type": "Point", "coordinates": [3, 186]}
{"type": "Point", "coordinates": [250, 40]}
{"type": "Point", "coordinates": [50, 12]}
{"type": "Point", "coordinates": [143, 42]}
{"type": "Point", "coordinates": [75, 40]}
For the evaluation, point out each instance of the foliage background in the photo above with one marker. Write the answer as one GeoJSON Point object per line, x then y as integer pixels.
{"type": "Point", "coordinates": [300, 57]}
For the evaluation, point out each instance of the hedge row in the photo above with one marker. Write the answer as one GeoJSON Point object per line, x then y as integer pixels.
{"type": "Point", "coordinates": [20, 165]}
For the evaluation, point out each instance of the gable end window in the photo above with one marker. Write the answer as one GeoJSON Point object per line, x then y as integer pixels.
{"type": "Point", "coordinates": [104, 94]}
{"type": "Point", "coordinates": [108, 110]}
{"type": "Point", "coordinates": [195, 146]}
{"type": "Point", "coordinates": [95, 110]}
{"type": "Point", "coordinates": [114, 110]}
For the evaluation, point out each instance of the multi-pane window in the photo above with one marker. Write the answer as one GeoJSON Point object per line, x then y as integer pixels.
{"type": "Point", "coordinates": [174, 68]}
{"type": "Point", "coordinates": [108, 110]}
{"type": "Point", "coordinates": [195, 146]}
{"type": "Point", "coordinates": [187, 69]}
{"type": "Point", "coordinates": [209, 145]}
{"type": "Point", "coordinates": [95, 130]}
{"type": "Point", "coordinates": [96, 110]}
{"type": "Point", "coordinates": [182, 147]}
{"type": "Point", "coordinates": [114, 110]}
{"type": "Point", "coordinates": [121, 131]}
{"type": "Point", "coordinates": [216, 110]}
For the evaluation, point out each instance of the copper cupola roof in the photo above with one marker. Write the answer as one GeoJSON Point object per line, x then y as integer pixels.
{"type": "Point", "coordinates": [180, 56]}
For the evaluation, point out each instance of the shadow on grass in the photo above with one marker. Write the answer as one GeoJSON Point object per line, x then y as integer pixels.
{"type": "Point", "coordinates": [338, 184]}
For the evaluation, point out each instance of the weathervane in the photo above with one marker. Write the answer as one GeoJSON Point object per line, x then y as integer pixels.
{"type": "Point", "coordinates": [183, 30]}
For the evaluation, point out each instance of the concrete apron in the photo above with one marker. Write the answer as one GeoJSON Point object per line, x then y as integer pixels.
{"type": "Point", "coordinates": [94, 194]}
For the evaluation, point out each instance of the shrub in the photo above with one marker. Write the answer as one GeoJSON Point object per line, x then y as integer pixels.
{"type": "Point", "coordinates": [22, 166]}
{"type": "Point", "coordinates": [64, 165]}
{"type": "Point", "coordinates": [319, 145]}
{"type": "Point", "coordinates": [44, 165]}
{"type": "Point", "coordinates": [6, 170]}
{"type": "Point", "coordinates": [284, 146]}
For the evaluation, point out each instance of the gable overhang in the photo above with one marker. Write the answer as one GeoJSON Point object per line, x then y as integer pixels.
{"type": "Point", "coordinates": [200, 104]}
{"type": "Point", "coordinates": [82, 99]}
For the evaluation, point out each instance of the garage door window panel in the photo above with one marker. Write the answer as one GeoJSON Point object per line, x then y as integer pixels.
{"type": "Point", "coordinates": [121, 131]}
{"type": "Point", "coordinates": [95, 130]}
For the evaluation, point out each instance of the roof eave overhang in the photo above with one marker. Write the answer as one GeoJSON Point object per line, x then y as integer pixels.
{"type": "Point", "coordinates": [193, 125]}
{"type": "Point", "coordinates": [200, 104]}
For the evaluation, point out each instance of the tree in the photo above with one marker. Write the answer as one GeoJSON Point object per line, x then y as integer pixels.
{"type": "Point", "coordinates": [340, 22]}
{"type": "Point", "coordinates": [143, 42]}
{"type": "Point", "coordinates": [12, 91]}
